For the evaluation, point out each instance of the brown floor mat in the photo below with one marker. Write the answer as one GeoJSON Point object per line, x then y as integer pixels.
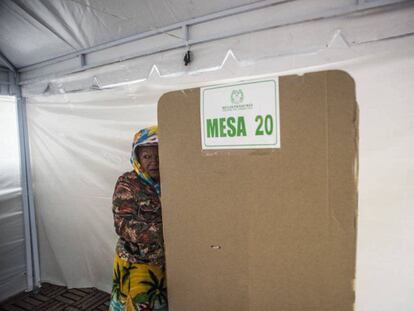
{"type": "Point", "coordinates": [53, 297]}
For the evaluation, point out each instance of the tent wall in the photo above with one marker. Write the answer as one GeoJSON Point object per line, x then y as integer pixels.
{"type": "Point", "coordinates": [81, 143]}
{"type": "Point", "coordinates": [385, 251]}
{"type": "Point", "coordinates": [81, 127]}
{"type": "Point", "coordinates": [12, 242]}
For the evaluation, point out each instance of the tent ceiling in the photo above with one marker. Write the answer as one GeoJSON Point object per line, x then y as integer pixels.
{"type": "Point", "coordinates": [49, 39]}
{"type": "Point", "coordinates": [32, 31]}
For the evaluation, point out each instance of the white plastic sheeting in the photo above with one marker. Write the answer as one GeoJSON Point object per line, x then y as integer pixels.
{"type": "Point", "coordinates": [12, 243]}
{"type": "Point", "coordinates": [80, 144]}
{"type": "Point", "coordinates": [385, 250]}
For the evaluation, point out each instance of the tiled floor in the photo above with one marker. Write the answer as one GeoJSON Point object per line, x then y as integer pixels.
{"type": "Point", "coordinates": [53, 297]}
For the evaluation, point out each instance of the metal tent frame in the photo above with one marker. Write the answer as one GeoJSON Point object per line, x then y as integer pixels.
{"type": "Point", "coordinates": [182, 35]}
{"type": "Point", "coordinates": [30, 230]}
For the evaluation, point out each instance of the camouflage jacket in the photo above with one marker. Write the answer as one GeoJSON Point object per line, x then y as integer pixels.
{"type": "Point", "coordinates": [138, 221]}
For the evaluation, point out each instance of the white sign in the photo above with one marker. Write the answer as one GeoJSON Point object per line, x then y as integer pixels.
{"type": "Point", "coordinates": [240, 116]}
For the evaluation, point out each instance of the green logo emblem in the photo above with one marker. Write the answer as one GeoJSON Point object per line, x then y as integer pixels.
{"type": "Point", "coordinates": [236, 97]}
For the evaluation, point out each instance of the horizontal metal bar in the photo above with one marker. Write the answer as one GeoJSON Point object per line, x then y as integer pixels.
{"type": "Point", "coordinates": [117, 60]}
{"type": "Point", "coordinates": [400, 36]}
{"type": "Point", "coordinates": [334, 13]}
{"type": "Point", "coordinates": [236, 11]}
{"type": "Point", "coordinates": [94, 49]}
{"type": "Point", "coordinates": [330, 15]}
{"type": "Point", "coordinates": [225, 13]}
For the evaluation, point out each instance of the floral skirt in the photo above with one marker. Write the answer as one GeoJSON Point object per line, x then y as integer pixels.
{"type": "Point", "coordinates": [138, 287]}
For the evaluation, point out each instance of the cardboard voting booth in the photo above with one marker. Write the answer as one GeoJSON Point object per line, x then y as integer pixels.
{"type": "Point", "coordinates": [262, 228]}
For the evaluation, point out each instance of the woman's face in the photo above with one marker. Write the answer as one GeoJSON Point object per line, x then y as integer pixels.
{"type": "Point", "coordinates": [148, 157]}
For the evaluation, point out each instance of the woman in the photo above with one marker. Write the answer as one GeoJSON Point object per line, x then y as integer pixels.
{"type": "Point", "coordinates": [139, 265]}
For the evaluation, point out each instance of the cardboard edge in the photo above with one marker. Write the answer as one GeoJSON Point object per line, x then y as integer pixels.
{"type": "Point", "coordinates": [348, 77]}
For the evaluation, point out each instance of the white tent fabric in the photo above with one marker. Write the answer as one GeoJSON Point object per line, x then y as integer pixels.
{"type": "Point", "coordinates": [12, 247]}
{"type": "Point", "coordinates": [80, 143]}
{"type": "Point", "coordinates": [81, 125]}
{"type": "Point", "coordinates": [47, 39]}
{"type": "Point", "coordinates": [50, 28]}
{"type": "Point", "coordinates": [293, 46]}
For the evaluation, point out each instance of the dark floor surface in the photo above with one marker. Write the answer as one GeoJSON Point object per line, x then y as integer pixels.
{"type": "Point", "coordinates": [53, 297]}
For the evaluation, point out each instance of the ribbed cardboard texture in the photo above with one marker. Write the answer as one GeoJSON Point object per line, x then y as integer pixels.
{"type": "Point", "coordinates": [271, 229]}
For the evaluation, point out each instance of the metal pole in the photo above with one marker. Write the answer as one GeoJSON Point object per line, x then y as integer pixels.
{"type": "Point", "coordinates": [32, 250]}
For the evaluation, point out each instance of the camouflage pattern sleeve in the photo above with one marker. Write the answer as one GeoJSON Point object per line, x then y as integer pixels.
{"type": "Point", "coordinates": [127, 223]}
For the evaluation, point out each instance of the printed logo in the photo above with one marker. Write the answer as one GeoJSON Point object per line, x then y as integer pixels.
{"type": "Point", "coordinates": [237, 97]}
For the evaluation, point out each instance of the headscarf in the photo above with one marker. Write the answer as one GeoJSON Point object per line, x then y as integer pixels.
{"type": "Point", "coordinates": [145, 137]}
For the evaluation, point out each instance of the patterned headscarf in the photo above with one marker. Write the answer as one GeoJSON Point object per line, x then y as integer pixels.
{"type": "Point", "coordinates": [145, 137]}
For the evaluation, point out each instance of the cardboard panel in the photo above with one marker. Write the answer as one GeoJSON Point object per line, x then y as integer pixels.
{"type": "Point", "coordinates": [269, 229]}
